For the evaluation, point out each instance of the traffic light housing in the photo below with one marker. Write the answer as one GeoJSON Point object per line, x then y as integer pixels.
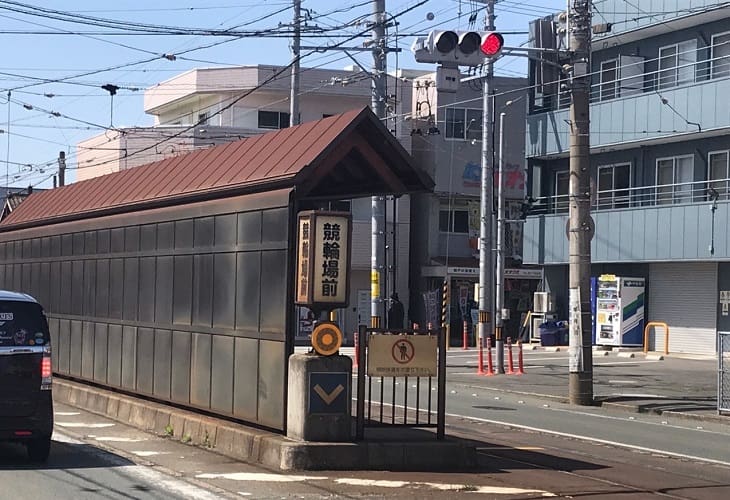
{"type": "Point", "coordinates": [458, 48]}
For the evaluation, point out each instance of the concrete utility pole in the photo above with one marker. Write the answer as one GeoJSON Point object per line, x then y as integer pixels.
{"type": "Point", "coordinates": [486, 269]}
{"type": "Point", "coordinates": [294, 97]}
{"type": "Point", "coordinates": [499, 289]}
{"type": "Point", "coordinates": [377, 299]}
{"type": "Point", "coordinates": [580, 225]}
{"type": "Point", "coordinates": [61, 168]}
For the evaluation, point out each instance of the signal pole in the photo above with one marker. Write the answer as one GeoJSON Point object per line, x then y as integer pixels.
{"type": "Point", "coordinates": [581, 226]}
{"type": "Point", "coordinates": [377, 256]}
{"type": "Point", "coordinates": [486, 269]}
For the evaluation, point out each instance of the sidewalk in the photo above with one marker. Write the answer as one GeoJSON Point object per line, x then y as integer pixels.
{"type": "Point", "coordinates": [680, 385]}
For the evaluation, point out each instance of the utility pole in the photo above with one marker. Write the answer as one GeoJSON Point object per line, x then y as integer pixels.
{"type": "Point", "coordinates": [499, 288]}
{"type": "Point", "coordinates": [294, 97]}
{"type": "Point", "coordinates": [580, 225]}
{"type": "Point", "coordinates": [61, 168]}
{"type": "Point", "coordinates": [377, 259]}
{"type": "Point", "coordinates": [486, 278]}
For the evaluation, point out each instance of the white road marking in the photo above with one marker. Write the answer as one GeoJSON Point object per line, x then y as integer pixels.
{"type": "Point", "coordinates": [66, 413]}
{"type": "Point", "coordinates": [377, 483]}
{"type": "Point", "coordinates": [578, 436]}
{"type": "Point", "coordinates": [262, 477]}
{"type": "Point", "coordinates": [84, 425]}
{"type": "Point", "coordinates": [592, 439]}
{"type": "Point", "coordinates": [488, 490]}
{"type": "Point", "coordinates": [150, 453]}
{"type": "Point", "coordinates": [112, 439]}
{"type": "Point", "coordinates": [633, 419]}
{"type": "Point", "coordinates": [152, 477]}
{"type": "Point", "coordinates": [624, 382]}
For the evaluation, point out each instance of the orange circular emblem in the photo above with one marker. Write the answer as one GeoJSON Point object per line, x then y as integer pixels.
{"type": "Point", "coordinates": [326, 338]}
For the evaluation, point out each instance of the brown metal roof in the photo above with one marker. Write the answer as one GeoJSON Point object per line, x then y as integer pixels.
{"type": "Point", "coordinates": [344, 156]}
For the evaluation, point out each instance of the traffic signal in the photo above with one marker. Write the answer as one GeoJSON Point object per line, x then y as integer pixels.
{"type": "Point", "coordinates": [458, 48]}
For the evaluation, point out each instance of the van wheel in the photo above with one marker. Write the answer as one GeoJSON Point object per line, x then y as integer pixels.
{"type": "Point", "coordinates": [38, 449]}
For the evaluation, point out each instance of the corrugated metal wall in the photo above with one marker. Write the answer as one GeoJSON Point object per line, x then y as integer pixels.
{"type": "Point", "coordinates": [187, 305]}
{"type": "Point", "coordinates": [684, 295]}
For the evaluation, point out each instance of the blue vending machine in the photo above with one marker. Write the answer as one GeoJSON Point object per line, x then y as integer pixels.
{"type": "Point", "coordinates": [619, 311]}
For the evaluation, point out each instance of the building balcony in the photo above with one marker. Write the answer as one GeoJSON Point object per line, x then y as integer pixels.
{"type": "Point", "coordinates": [654, 223]}
{"type": "Point", "coordinates": [654, 112]}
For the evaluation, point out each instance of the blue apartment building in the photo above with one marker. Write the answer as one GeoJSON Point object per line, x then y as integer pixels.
{"type": "Point", "coordinates": [660, 165]}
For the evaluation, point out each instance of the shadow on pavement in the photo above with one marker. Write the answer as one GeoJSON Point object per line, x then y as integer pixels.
{"type": "Point", "coordinates": [13, 456]}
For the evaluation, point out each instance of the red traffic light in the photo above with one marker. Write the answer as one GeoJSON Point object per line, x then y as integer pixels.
{"type": "Point", "coordinates": [492, 44]}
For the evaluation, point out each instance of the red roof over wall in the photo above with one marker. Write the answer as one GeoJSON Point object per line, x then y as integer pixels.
{"type": "Point", "coordinates": [342, 156]}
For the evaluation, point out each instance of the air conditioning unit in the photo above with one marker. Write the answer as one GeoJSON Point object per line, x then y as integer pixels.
{"type": "Point", "coordinates": [542, 302]}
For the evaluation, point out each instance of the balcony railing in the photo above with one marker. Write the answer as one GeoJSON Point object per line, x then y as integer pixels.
{"type": "Point", "coordinates": [639, 197]}
{"type": "Point", "coordinates": [630, 78]}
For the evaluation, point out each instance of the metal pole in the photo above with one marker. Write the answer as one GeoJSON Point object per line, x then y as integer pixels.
{"type": "Point", "coordinates": [294, 97]}
{"type": "Point", "coordinates": [580, 380]}
{"type": "Point", "coordinates": [499, 297]}
{"type": "Point", "coordinates": [378, 202]}
{"type": "Point", "coordinates": [486, 279]}
{"type": "Point", "coordinates": [61, 168]}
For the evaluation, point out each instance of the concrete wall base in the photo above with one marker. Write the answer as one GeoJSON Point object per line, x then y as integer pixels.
{"type": "Point", "coordinates": [263, 447]}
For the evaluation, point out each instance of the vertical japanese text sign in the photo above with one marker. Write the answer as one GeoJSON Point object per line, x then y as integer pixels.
{"type": "Point", "coordinates": [323, 259]}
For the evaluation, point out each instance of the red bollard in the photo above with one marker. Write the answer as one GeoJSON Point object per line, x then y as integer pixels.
{"type": "Point", "coordinates": [520, 366]}
{"type": "Point", "coordinates": [480, 358]}
{"type": "Point", "coordinates": [490, 366]}
{"type": "Point", "coordinates": [465, 340]}
{"type": "Point", "coordinates": [357, 350]}
{"type": "Point", "coordinates": [510, 361]}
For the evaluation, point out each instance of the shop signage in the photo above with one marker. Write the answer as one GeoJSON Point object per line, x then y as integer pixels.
{"type": "Point", "coordinates": [323, 259]}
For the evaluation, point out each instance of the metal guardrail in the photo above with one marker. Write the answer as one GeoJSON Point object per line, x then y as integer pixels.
{"type": "Point", "coordinates": [653, 324]}
{"type": "Point", "coordinates": [723, 373]}
{"type": "Point", "coordinates": [371, 402]}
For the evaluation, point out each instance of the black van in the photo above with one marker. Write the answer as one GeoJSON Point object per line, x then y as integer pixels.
{"type": "Point", "coordinates": [26, 404]}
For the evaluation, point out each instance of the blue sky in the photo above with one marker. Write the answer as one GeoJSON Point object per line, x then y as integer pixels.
{"type": "Point", "coordinates": [44, 116]}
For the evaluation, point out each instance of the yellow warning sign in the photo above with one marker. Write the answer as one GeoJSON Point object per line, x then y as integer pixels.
{"type": "Point", "coordinates": [326, 338]}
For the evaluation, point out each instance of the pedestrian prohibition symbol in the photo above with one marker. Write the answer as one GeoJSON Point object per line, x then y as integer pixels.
{"type": "Point", "coordinates": [403, 351]}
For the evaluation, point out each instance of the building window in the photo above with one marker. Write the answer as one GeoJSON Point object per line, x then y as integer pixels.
{"type": "Point", "coordinates": [614, 183]}
{"type": "Point", "coordinates": [721, 55]}
{"type": "Point", "coordinates": [203, 118]}
{"type": "Point", "coordinates": [464, 124]}
{"type": "Point", "coordinates": [609, 79]}
{"type": "Point", "coordinates": [677, 64]}
{"type": "Point", "coordinates": [273, 119]}
{"type": "Point", "coordinates": [454, 220]}
{"type": "Point", "coordinates": [718, 166]}
{"type": "Point", "coordinates": [562, 190]}
{"type": "Point", "coordinates": [674, 179]}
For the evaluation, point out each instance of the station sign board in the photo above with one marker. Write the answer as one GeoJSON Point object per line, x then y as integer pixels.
{"type": "Point", "coordinates": [323, 259]}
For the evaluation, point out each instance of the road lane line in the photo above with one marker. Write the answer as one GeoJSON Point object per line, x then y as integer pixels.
{"type": "Point", "coordinates": [502, 423]}
{"type": "Point", "coordinates": [626, 419]}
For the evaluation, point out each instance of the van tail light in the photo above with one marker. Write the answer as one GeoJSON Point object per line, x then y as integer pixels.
{"type": "Point", "coordinates": [46, 372]}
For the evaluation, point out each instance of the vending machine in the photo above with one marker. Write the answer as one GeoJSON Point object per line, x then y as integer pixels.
{"type": "Point", "coordinates": [619, 311]}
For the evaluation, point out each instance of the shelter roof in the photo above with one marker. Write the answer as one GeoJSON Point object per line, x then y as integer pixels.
{"type": "Point", "coordinates": [344, 156]}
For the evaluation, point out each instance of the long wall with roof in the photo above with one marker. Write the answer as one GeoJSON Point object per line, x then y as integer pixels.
{"type": "Point", "coordinates": [185, 304]}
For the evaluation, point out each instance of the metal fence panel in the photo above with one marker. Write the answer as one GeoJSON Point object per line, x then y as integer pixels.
{"type": "Point", "coordinates": [723, 379]}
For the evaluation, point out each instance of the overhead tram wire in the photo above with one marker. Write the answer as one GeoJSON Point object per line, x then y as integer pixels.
{"type": "Point", "coordinates": [268, 80]}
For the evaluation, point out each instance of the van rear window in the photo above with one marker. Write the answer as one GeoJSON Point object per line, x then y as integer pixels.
{"type": "Point", "coordinates": [22, 324]}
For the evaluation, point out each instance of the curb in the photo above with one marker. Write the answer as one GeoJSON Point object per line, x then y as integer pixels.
{"type": "Point", "coordinates": [262, 447]}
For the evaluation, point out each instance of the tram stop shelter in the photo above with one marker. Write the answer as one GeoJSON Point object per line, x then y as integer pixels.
{"type": "Point", "coordinates": [175, 280]}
